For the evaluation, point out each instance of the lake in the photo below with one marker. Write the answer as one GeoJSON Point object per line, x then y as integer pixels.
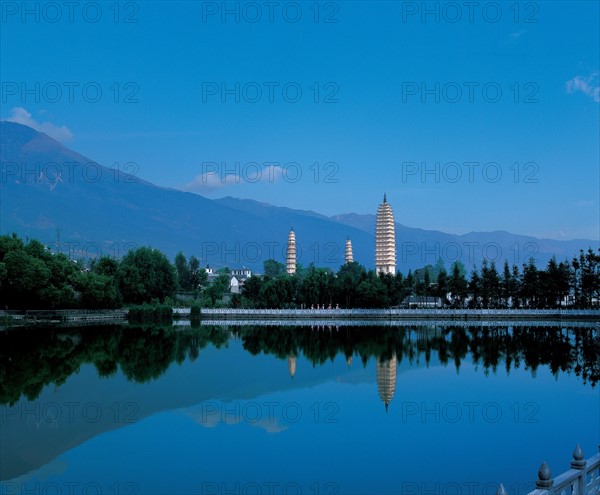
{"type": "Point", "coordinates": [315, 410]}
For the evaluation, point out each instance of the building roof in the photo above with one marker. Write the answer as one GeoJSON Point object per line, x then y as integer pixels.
{"type": "Point", "coordinates": [421, 299]}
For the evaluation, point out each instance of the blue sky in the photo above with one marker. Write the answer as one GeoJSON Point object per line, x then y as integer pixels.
{"type": "Point", "coordinates": [482, 119]}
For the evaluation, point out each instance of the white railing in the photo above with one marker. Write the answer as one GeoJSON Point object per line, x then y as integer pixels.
{"type": "Point", "coordinates": [182, 311]}
{"type": "Point", "coordinates": [396, 323]}
{"type": "Point", "coordinates": [582, 479]}
{"type": "Point", "coordinates": [341, 313]}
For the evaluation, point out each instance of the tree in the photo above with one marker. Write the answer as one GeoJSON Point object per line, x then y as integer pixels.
{"type": "Point", "coordinates": [106, 265]}
{"type": "Point", "coordinates": [507, 285]}
{"type": "Point", "coordinates": [401, 290]}
{"type": "Point", "coordinates": [372, 293]}
{"type": "Point", "coordinates": [549, 285]}
{"type": "Point", "coordinates": [198, 276]}
{"type": "Point", "coordinates": [8, 244]}
{"type": "Point", "coordinates": [410, 283]}
{"type": "Point", "coordinates": [317, 286]}
{"type": "Point", "coordinates": [276, 293]}
{"type": "Point", "coordinates": [184, 275]}
{"type": "Point", "coordinates": [100, 291]}
{"type": "Point", "coordinates": [586, 277]}
{"type": "Point", "coordinates": [563, 282]}
{"type": "Point", "coordinates": [26, 277]}
{"type": "Point", "coordinates": [273, 268]}
{"type": "Point", "coordinates": [529, 288]}
{"type": "Point", "coordinates": [218, 288]}
{"type": "Point", "coordinates": [490, 284]}
{"type": "Point", "coordinates": [146, 274]}
{"type": "Point", "coordinates": [251, 291]}
{"type": "Point", "coordinates": [442, 285]}
{"type": "Point", "coordinates": [389, 281]}
{"type": "Point", "coordinates": [348, 278]}
{"type": "Point", "coordinates": [475, 288]}
{"type": "Point", "coordinates": [458, 284]}
{"type": "Point", "coordinates": [516, 287]}
{"type": "Point", "coordinates": [426, 282]}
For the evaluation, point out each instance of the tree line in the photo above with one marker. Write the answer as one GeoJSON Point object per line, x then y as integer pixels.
{"type": "Point", "coordinates": [575, 283]}
{"type": "Point", "coordinates": [32, 276]}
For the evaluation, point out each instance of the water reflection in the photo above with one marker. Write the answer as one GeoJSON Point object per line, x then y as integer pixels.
{"type": "Point", "coordinates": [386, 379]}
{"type": "Point", "coordinates": [203, 389]}
{"type": "Point", "coordinates": [31, 359]}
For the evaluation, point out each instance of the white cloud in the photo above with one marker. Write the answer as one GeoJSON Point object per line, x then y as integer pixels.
{"type": "Point", "coordinates": [587, 85]}
{"type": "Point", "coordinates": [585, 203]}
{"type": "Point", "coordinates": [248, 174]}
{"type": "Point", "coordinates": [271, 427]}
{"type": "Point", "coordinates": [22, 116]}
{"type": "Point", "coordinates": [516, 35]}
{"type": "Point", "coordinates": [217, 416]}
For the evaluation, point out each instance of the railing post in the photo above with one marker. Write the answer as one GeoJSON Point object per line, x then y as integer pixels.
{"type": "Point", "coordinates": [579, 463]}
{"type": "Point", "coordinates": [544, 477]}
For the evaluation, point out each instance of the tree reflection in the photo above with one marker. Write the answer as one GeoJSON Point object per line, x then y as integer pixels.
{"type": "Point", "coordinates": [30, 359]}
{"type": "Point", "coordinates": [33, 358]}
{"type": "Point", "coordinates": [563, 350]}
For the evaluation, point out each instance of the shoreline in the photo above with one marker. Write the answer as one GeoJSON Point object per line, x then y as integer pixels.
{"type": "Point", "coordinates": [401, 314]}
{"type": "Point", "coordinates": [288, 317]}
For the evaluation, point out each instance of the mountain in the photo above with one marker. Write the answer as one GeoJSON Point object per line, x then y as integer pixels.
{"type": "Point", "coordinates": [426, 246]}
{"type": "Point", "coordinates": [65, 199]}
{"type": "Point", "coordinates": [237, 376]}
{"type": "Point", "coordinates": [45, 187]}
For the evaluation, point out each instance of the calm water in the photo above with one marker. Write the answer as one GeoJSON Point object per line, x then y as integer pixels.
{"type": "Point", "coordinates": [217, 410]}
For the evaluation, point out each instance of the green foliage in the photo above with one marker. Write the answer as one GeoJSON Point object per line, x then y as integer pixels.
{"type": "Point", "coordinates": [372, 293]}
{"type": "Point", "coordinates": [100, 291]}
{"type": "Point", "coordinates": [348, 278]}
{"type": "Point", "coordinates": [272, 268]}
{"type": "Point", "coordinates": [184, 273]}
{"type": "Point", "coordinates": [33, 277]}
{"type": "Point", "coordinates": [198, 276]}
{"type": "Point", "coordinates": [195, 312]}
{"type": "Point", "coordinates": [105, 266]}
{"type": "Point", "coordinates": [145, 274]}
{"type": "Point", "coordinates": [158, 313]}
{"type": "Point", "coordinates": [217, 289]}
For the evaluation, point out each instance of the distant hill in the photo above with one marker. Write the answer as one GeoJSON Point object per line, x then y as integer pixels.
{"type": "Point", "coordinates": [46, 186]}
{"type": "Point", "coordinates": [428, 245]}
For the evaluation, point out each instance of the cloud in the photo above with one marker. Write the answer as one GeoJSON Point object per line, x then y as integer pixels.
{"type": "Point", "coordinates": [587, 85]}
{"type": "Point", "coordinates": [250, 173]}
{"type": "Point", "coordinates": [515, 35]}
{"type": "Point", "coordinates": [22, 116]}
{"type": "Point", "coordinates": [212, 416]}
{"type": "Point", "coordinates": [585, 203]}
{"type": "Point", "coordinates": [272, 427]}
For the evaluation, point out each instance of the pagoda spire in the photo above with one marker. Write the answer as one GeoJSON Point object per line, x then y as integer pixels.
{"type": "Point", "coordinates": [290, 260]}
{"type": "Point", "coordinates": [349, 255]}
{"type": "Point", "coordinates": [385, 239]}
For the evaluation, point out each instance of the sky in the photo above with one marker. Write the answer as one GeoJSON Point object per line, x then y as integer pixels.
{"type": "Point", "coordinates": [471, 116]}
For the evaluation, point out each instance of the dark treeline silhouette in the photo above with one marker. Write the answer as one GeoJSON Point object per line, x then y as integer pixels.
{"type": "Point", "coordinates": [32, 276]}
{"type": "Point", "coordinates": [563, 350]}
{"type": "Point", "coordinates": [574, 284]}
{"type": "Point", "coordinates": [144, 353]}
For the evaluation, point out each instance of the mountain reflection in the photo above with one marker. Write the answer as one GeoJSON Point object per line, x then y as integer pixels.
{"type": "Point", "coordinates": [33, 358]}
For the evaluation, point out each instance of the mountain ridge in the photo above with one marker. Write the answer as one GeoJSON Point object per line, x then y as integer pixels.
{"type": "Point", "coordinates": [111, 210]}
